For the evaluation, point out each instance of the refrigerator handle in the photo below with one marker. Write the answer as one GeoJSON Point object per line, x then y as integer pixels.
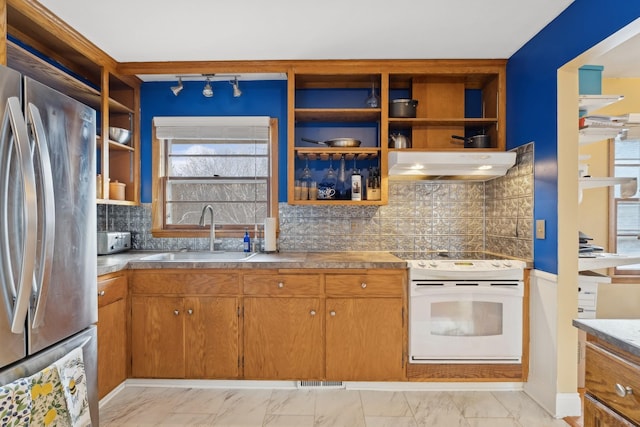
{"type": "Point", "coordinates": [42, 273]}
{"type": "Point", "coordinates": [14, 119]}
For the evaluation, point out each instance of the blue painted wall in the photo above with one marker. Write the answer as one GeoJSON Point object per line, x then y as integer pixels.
{"type": "Point", "coordinates": [531, 103]}
{"type": "Point", "coordinates": [532, 95]}
{"type": "Point", "coordinates": [259, 98]}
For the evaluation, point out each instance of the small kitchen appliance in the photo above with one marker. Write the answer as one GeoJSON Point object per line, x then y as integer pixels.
{"type": "Point", "coordinates": [111, 242]}
{"type": "Point", "coordinates": [465, 311]}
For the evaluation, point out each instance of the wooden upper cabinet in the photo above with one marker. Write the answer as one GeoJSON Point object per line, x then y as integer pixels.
{"type": "Point", "coordinates": [327, 100]}
{"type": "Point", "coordinates": [40, 45]}
{"type": "Point", "coordinates": [452, 101]}
{"type": "Point", "coordinates": [330, 103]}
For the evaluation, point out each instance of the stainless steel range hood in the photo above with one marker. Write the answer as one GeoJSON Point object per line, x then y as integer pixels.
{"type": "Point", "coordinates": [479, 166]}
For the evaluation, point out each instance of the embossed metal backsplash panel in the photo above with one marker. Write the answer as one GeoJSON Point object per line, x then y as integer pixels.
{"type": "Point", "coordinates": [422, 216]}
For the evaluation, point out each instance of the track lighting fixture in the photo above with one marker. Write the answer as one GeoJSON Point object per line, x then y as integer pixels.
{"type": "Point", "coordinates": [207, 91]}
{"type": "Point", "coordinates": [236, 89]}
{"type": "Point", "coordinates": [177, 89]}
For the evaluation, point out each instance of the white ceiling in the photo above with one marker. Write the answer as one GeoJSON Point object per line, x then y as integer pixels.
{"type": "Point", "coordinates": [207, 30]}
{"type": "Point", "coordinates": [623, 61]}
{"type": "Point", "coordinates": [200, 30]}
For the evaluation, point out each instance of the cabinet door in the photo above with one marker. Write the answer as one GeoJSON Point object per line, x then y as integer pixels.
{"type": "Point", "coordinates": [112, 346]}
{"type": "Point", "coordinates": [157, 339]}
{"type": "Point", "coordinates": [364, 339]}
{"type": "Point", "coordinates": [112, 332]}
{"type": "Point", "coordinates": [598, 415]}
{"type": "Point", "coordinates": [211, 337]}
{"type": "Point", "coordinates": [283, 338]}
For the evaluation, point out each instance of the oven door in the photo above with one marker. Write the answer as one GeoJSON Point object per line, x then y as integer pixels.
{"type": "Point", "coordinates": [453, 323]}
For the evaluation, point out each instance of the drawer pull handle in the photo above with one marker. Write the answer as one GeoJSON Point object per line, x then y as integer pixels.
{"type": "Point", "coordinates": [312, 312]}
{"type": "Point", "coordinates": [101, 293]}
{"type": "Point", "coordinates": [332, 313]}
{"type": "Point", "coordinates": [281, 285]}
{"type": "Point", "coordinates": [190, 311]}
{"type": "Point", "coordinates": [623, 391]}
{"type": "Point", "coordinates": [176, 312]}
{"type": "Point", "coordinates": [363, 285]}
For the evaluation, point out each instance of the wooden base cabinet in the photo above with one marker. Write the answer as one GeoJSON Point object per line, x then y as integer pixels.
{"type": "Point", "coordinates": [612, 377]}
{"type": "Point", "coordinates": [283, 338]}
{"type": "Point", "coordinates": [366, 326]}
{"type": "Point", "coordinates": [287, 324]}
{"type": "Point", "coordinates": [211, 337]}
{"type": "Point", "coordinates": [283, 325]}
{"type": "Point", "coordinates": [598, 415]}
{"type": "Point", "coordinates": [352, 330]}
{"type": "Point", "coordinates": [113, 355]}
{"type": "Point", "coordinates": [157, 338]}
{"type": "Point", "coordinates": [195, 337]}
{"type": "Point", "coordinates": [185, 325]}
{"type": "Point", "coordinates": [364, 339]}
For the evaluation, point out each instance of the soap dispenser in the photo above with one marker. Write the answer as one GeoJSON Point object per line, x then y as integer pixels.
{"type": "Point", "coordinates": [247, 240]}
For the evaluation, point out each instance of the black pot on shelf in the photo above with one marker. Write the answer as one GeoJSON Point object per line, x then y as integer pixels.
{"type": "Point", "coordinates": [403, 108]}
{"type": "Point", "coordinates": [477, 141]}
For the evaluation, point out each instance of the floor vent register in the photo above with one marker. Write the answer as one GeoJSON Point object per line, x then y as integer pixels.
{"type": "Point", "coordinates": [306, 385]}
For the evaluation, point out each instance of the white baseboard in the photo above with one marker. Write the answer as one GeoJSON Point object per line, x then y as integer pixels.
{"type": "Point", "coordinates": [350, 385]}
{"type": "Point", "coordinates": [112, 394]}
{"type": "Point", "coordinates": [568, 405]}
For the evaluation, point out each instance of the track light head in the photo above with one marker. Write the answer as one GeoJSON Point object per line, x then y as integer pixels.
{"type": "Point", "coordinates": [236, 89]}
{"type": "Point", "coordinates": [207, 91]}
{"type": "Point", "coordinates": [177, 89]}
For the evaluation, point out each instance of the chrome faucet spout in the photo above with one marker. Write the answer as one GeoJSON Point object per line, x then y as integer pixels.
{"type": "Point", "coordinates": [212, 229]}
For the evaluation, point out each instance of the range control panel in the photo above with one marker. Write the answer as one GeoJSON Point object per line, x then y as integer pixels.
{"type": "Point", "coordinates": [466, 269]}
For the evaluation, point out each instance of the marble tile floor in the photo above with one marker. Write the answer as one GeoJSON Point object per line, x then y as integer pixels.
{"type": "Point", "coordinates": [137, 406]}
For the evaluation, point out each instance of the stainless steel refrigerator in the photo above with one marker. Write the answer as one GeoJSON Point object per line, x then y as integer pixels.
{"type": "Point", "coordinates": [48, 295]}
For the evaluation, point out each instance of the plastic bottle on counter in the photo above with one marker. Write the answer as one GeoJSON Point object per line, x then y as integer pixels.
{"type": "Point", "coordinates": [356, 185]}
{"type": "Point", "coordinates": [247, 241]}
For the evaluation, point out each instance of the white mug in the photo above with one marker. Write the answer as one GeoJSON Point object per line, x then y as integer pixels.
{"type": "Point", "coordinates": [326, 193]}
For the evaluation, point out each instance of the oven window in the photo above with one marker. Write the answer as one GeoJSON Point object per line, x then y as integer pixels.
{"type": "Point", "coordinates": [466, 318]}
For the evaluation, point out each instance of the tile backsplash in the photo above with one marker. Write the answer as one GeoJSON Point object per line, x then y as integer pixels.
{"type": "Point", "coordinates": [422, 216]}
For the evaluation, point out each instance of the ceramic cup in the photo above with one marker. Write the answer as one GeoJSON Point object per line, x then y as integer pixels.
{"type": "Point", "coordinates": [326, 193]}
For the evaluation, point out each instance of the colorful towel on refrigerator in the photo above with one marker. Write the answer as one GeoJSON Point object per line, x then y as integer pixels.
{"type": "Point", "coordinates": [15, 403]}
{"type": "Point", "coordinates": [49, 408]}
{"type": "Point", "coordinates": [74, 385]}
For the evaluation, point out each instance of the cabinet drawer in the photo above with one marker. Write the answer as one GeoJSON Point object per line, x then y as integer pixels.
{"type": "Point", "coordinates": [111, 289]}
{"type": "Point", "coordinates": [366, 285]}
{"type": "Point", "coordinates": [183, 283]}
{"type": "Point", "coordinates": [282, 284]}
{"type": "Point", "coordinates": [604, 372]}
{"type": "Point", "coordinates": [598, 415]}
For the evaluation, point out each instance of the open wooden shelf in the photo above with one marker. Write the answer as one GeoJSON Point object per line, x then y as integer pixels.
{"type": "Point", "coordinates": [337, 114]}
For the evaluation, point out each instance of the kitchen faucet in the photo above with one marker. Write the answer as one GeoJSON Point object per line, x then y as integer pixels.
{"type": "Point", "coordinates": [212, 230]}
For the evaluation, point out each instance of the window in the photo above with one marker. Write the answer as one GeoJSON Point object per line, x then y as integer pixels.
{"type": "Point", "coordinates": [229, 163]}
{"type": "Point", "coordinates": [627, 210]}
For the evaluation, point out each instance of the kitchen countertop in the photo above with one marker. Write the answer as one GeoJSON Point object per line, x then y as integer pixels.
{"type": "Point", "coordinates": [368, 259]}
{"type": "Point", "coordinates": [623, 333]}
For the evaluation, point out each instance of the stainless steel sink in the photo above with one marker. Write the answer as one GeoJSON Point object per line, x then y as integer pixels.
{"type": "Point", "coordinates": [217, 256]}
